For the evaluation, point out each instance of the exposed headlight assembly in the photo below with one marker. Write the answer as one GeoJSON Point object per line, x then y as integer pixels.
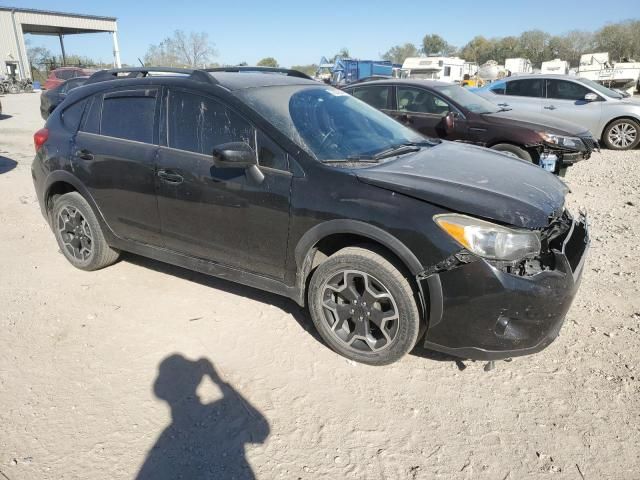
{"type": "Point", "coordinates": [562, 141]}
{"type": "Point", "coordinates": [489, 240]}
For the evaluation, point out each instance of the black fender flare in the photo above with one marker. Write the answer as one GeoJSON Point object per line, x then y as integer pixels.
{"type": "Point", "coordinates": [304, 248]}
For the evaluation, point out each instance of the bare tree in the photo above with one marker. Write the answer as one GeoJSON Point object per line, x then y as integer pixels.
{"type": "Point", "coordinates": [181, 49]}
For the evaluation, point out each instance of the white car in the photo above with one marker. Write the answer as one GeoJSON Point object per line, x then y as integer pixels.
{"type": "Point", "coordinates": [606, 113]}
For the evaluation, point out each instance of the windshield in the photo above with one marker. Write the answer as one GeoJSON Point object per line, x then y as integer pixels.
{"type": "Point", "coordinates": [467, 99]}
{"type": "Point", "coordinates": [328, 123]}
{"type": "Point", "coordinates": [600, 88]}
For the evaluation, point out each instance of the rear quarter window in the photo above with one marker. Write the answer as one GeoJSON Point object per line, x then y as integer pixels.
{"type": "Point", "coordinates": [72, 115]}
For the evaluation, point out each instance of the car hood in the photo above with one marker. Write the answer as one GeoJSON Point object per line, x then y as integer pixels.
{"type": "Point", "coordinates": [476, 181]}
{"type": "Point", "coordinates": [534, 121]}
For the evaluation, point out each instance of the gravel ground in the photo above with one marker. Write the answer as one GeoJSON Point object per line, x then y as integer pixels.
{"type": "Point", "coordinates": [98, 368]}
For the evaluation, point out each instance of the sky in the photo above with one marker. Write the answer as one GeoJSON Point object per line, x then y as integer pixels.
{"type": "Point", "coordinates": [300, 32]}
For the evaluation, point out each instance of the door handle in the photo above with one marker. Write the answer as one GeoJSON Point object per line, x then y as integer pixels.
{"type": "Point", "coordinates": [84, 154]}
{"type": "Point", "coordinates": [170, 177]}
{"type": "Point", "coordinates": [550, 107]}
{"type": "Point", "coordinates": [504, 104]}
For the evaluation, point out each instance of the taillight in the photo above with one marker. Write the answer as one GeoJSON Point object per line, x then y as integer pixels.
{"type": "Point", "coordinates": [40, 137]}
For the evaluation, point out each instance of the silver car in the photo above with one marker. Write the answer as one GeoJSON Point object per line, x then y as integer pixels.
{"type": "Point", "coordinates": [606, 113]}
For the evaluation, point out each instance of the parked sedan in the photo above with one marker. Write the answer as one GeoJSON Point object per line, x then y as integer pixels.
{"type": "Point", "coordinates": [50, 99]}
{"type": "Point", "coordinates": [60, 75]}
{"type": "Point", "coordinates": [448, 111]}
{"type": "Point", "coordinates": [608, 114]}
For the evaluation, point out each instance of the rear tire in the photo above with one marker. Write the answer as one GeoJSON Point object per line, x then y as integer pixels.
{"type": "Point", "coordinates": [621, 134]}
{"type": "Point", "coordinates": [79, 235]}
{"type": "Point", "coordinates": [513, 151]}
{"type": "Point", "coordinates": [364, 307]}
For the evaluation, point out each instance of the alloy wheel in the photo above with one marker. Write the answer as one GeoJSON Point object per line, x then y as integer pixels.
{"type": "Point", "coordinates": [75, 233]}
{"type": "Point", "coordinates": [623, 135]}
{"type": "Point", "coordinates": [360, 311]}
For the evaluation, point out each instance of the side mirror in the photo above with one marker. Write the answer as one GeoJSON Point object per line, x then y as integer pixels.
{"type": "Point", "coordinates": [234, 155]}
{"type": "Point", "coordinates": [591, 97]}
{"type": "Point", "coordinates": [450, 121]}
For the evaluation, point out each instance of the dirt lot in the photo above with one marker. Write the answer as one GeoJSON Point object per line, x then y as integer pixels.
{"type": "Point", "coordinates": [97, 368]}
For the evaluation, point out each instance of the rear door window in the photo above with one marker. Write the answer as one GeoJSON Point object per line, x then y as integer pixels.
{"type": "Point", "coordinates": [91, 120]}
{"type": "Point", "coordinates": [198, 123]}
{"type": "Point", "coordinates": [377, 96]}
{"type": "Point", "coordinates": [129, 114]}
{"type": "Point", "coordinates": [564, 90]}
{"type": "Point", "coordinates": [530, 87]}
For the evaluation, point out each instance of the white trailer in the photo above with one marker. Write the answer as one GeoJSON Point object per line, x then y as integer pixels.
{"type": "Point", "coordinates": [556, 66]}
{"type": "Point", "coordinates": [620, 75]}
{"type": "Point", "coordinates": [448, 69]}
{"type": "Point", "coordinates": [518, 65]}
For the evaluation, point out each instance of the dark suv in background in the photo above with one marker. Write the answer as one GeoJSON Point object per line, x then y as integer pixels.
{"type": "Point", "coordinates": [448, 111]}
{"type": "Point", "coordinates": [275, 181]}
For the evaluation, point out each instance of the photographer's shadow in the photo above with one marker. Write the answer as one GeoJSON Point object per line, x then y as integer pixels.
{"type": "Point", "coordinates": [204, 441]}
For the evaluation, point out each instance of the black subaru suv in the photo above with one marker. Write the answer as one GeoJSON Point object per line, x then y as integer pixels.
{"type": "Point", "coordinates": [275, 181]}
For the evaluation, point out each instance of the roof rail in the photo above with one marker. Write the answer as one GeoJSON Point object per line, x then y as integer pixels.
{"type": "Point", "coordinates": [286, 71]}
{"type": "Point", "coordinates": [142, 72]}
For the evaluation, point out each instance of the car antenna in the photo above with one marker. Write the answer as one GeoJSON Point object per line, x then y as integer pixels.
{"type": "Point", "coordinates": [141, 62]}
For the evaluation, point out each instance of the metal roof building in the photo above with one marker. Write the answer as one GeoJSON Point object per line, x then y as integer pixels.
{"type": "Point", "coordinates": [15, 22]}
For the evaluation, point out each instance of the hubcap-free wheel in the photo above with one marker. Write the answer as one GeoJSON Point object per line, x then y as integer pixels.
{"type": "Point", "coordinates": [360, 311]}
{"type": "Point", "coordinates": [364, 306]}
{"type": "Point", "coordinates": [75, 233]}
{"type": "Point", "coordinates": [623, 135]}
{"type": "Point", "coordinates": [78, 233]}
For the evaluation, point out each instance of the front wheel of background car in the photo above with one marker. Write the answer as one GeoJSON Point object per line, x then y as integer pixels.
{"type": "Point", "coordinates": [513, 151]}
{"type": "Point", "coordinates": [79, 235]}
{"type": "Point", "coordinates": [622, 134]}
{"type": "Point", "coordinates": [364, 307]}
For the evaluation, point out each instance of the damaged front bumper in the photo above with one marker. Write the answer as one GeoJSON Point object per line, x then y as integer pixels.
{"type": "Point", "coordinates": [483, 311]}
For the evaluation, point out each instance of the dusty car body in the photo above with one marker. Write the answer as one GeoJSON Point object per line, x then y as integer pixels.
{"type": "Point", "coordinates": [447, 111]}
{"type": "Point", "coordinates": [297, 188]}
{"type": "Point", "coordinates": [610, 116]}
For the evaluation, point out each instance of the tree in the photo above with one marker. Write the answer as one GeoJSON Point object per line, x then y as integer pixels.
{"type": "Point", "coordinates": [192, 50]}
{"type": "Point", "coordinates": [534, 45]}
{"type": "Point", "coordinates": [478, 50]}
{"type": "Point", "coordinates": [308, 69]}
{"type": "Point", "coordinates": [400, 53]}
{"type": "Point", "coordinates": [617, 39]}
{"type": "Point", "coordinates": [434, 44]}
{"type": "Point", "coordinates": [343, 53]}
{"type": "Point", "coordinates": [268, 62]}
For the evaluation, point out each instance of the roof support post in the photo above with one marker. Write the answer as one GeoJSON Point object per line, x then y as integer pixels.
{"type": "Point", "coordinates": [64, 55]}
{"type": "Point", "coordinates": [116, 50]}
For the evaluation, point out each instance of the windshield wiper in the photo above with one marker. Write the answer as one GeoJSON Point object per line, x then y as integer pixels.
{"type": "Point", "coordinates": [401, 149]}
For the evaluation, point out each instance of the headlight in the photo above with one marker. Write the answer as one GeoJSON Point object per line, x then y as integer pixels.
{"type": "Point", "coordinates": [562, 141]}
{"type": "Point", "coordinates": [489, 240]}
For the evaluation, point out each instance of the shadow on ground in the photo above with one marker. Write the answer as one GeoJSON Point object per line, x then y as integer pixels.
{"type": "Point", "coordinates": [285, 304]}
{"type": "Point", "coordinates": [301, 315]}
{"type": "Point", "coordinates": [203, 441]}
{"type": "Point", "coordinates": [6, 164]}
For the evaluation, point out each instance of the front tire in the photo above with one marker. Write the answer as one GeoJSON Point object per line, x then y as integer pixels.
{"type": "Point", "coordinates": [513, 151]}
{"type": "Point", "coordinates": [364, 307]}
{"type": "Point", "coordinates": [622, 134]}
{"type": "Point", "coordinates": [79, 235]}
